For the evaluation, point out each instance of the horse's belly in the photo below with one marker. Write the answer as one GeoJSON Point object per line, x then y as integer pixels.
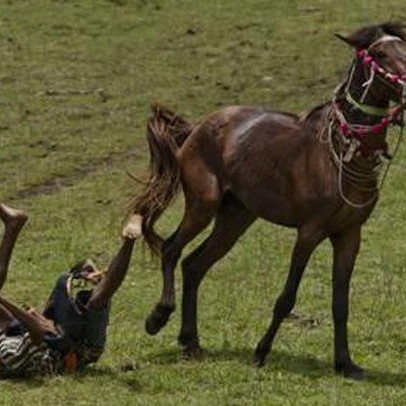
{"type": "Point", "coordinates": [270, 205]}
{"type": "Point", "coordinates": [285, 191]}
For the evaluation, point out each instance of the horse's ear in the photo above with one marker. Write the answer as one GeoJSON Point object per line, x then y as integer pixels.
{"type": "Point", "coordinates": [347, 40]}
{"type": "Point", "coordinates": [363, 37]}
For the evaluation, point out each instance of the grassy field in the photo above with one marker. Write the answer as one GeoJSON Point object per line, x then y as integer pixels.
{"type": "Point", "coordinates": [76, 79]}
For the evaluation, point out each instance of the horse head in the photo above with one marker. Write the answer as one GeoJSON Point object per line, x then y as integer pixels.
{"type": "Point", "coordinates": [380, 63]}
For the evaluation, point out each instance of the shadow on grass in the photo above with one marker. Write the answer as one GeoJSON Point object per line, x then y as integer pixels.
{"type": "Point", "coordinates": [280, 360]}
{"type": "Point", "coordinates": [118, 375]}
{"type": "Point", "coordinates": [28, 382]}
{"type": "Point", "coordinates": [304, 365]}
{"type": "Point", "coordinates": [316, 368]}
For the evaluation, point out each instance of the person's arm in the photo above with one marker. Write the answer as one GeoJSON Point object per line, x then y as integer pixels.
{"type": "Point", "coordinates": [36, 324]}
{"type": "Point", "coordinates": [117, 270]}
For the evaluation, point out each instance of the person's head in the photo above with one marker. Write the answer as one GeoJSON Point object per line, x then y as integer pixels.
{"type": "Point", "coordinates": [82, 279]}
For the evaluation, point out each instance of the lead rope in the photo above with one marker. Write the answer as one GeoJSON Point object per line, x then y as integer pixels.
{"type": "Point", "coordinates": [368, 84]}
{"type": "Point", "coordinates": [339, 159]}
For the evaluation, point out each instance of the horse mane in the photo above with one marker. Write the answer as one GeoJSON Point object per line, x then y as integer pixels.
{"type": "Point", "coordinates": [285, 113]}
{"type": "Point", "coordinates": [308, 115]}
{"type": "Point", "coordinates": [364, 37]}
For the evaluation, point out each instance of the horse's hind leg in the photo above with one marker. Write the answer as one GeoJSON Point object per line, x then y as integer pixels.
{"type": "Point", "coordinates": [200, 209]}
{"type": "Point", "coordinates": [306, 242]}
{"type": "Point", "coordinates": [232, 220]}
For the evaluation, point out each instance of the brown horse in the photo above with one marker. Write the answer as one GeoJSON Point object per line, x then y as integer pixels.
{"type": "Point", "coordinates": [318, 174]}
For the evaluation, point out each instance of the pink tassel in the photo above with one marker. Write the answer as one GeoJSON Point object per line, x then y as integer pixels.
{"type": "Point", "coordinates": [377, 129]}
{"type": "Point", "coordinates": [362, 132]}
{"type": "Point", "coordinates": [344, 128]}
{"type": "Point", "coordinates": [392, 77]}
{"type": "Point", "coordinates": [385, 121]}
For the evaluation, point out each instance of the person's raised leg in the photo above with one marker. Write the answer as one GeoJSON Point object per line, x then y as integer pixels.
{"type": "Point", "coordinates": [13, 221]}
{"type": "Point", "coordinates": [117, 270]}
{"type": "Point", "coordinates": [5, 318]}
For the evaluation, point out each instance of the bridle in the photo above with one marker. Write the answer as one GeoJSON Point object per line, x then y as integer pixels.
{"type": "Point", "coordinates": [352, 136]}
{"type": "Point", "coordinates": [389, 116]}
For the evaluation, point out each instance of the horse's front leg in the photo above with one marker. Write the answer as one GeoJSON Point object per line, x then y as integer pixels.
{"type": "Point", "coordinates": [346, 246]}
{"type": "Point", "coordinates": [307, 241]}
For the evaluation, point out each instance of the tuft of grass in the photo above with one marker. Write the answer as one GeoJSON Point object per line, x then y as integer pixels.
{"type": "Point", "coordinates": [77, 79]}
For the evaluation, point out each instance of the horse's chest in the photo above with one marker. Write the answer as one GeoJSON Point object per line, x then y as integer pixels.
{"type": "Point", "coordinates": [347, 216]}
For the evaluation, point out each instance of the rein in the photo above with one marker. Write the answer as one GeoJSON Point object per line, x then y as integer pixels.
{"type": "Point", "coordinates": [353, 135]}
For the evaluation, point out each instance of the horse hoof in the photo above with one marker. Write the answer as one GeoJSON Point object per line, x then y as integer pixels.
{"type": "Point", "coordinates": [350, 370]}
{"type": "Point", "coordinates": [194, 353]}
{"type": "Point", "coordinates": [158, 318]}
{"type": "Point", "coordinates": [259, 360]}
{"type": "Point", "coordinates": [260, 354]}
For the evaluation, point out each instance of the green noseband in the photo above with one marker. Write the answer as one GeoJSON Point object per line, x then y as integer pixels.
{"type": "Point", "coordinates": [365, 108]}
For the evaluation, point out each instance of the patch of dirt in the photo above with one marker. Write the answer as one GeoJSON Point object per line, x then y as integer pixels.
{"type": "Point", "coordinates": [55, 184]}
{"type": "Point", "coordinates": [309, 322]}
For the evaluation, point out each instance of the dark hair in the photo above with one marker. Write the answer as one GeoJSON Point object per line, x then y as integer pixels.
{"type": "Point", "coordinates": [77, 267]}
{"type": "Point", "coordinates": [364, 37]}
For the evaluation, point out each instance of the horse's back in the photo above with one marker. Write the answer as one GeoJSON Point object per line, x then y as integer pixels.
{"type": "Point", "coordinates": [234, 128]}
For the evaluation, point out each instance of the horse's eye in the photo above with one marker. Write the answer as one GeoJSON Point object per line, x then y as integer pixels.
{"type": "Point", "coordinates": [381, 55]}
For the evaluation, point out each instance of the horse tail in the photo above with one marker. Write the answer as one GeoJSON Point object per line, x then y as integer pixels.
{"type": "Point", "coordinates": [166, 132]}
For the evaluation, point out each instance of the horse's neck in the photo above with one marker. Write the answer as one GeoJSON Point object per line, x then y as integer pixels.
{"type": "Point", "coordinates": [355, 87]}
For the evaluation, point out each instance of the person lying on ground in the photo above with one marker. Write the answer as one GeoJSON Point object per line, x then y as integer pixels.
{"type": "Point", "coordinates": [70, 332]}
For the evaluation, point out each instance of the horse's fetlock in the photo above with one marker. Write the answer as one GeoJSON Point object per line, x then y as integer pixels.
{"type": "Point", "coordinates": [165, 308]}
{"type": "Point", "coordinates": [188, 339]}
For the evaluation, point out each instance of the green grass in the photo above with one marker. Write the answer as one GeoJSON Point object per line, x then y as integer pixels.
{"type": "Point", "coordinates": [76, 80]}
